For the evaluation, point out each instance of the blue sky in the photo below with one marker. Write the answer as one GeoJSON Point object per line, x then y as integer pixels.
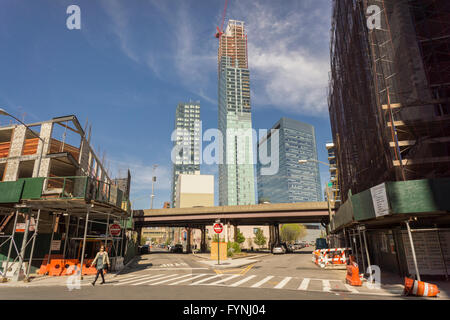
{"type": "Point", "coordinates": [134, 60]}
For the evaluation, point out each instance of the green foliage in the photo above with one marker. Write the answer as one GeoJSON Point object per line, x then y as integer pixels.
{"type": "Point", "coordinates": [168, 241]}
{"type": "Point", "coordinates": [291, 232]}
{"type": "Point", "coordinates": [143, 240]}
{"type": "Point", "coordinates": [260, 239]}
{"type": "Point", "coordinates": [232, 248]}
{"type": "Point", "coordinates": [240, 237]}
{"type": "Point", "coordinates": [216, 237]}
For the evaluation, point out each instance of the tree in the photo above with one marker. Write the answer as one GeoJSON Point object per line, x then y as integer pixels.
{"type": "Point", "coordinates": [240, 237]}
{"type": "Point", "coordinates": [260, 239]}
{"type": "Point", "coordinates": [291, 232]}
{"type": "Point", "coordinates": [143, 241]}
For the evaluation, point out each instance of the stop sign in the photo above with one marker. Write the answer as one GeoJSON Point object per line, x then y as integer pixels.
{"type": "Point", "coordinates": [218, 228]}
{"type": "Point", "coordinates": [114, 229]}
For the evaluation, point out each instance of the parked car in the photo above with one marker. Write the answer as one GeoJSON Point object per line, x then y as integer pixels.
{"type": "Point", "coordinates": [178, 248]}
{"type": "Point", "coordinates": [279, 249]}
{"type": "Point", "coordinates": [144, 249]}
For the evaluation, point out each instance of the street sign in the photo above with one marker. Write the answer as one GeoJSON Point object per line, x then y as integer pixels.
{"type": "Point", "coordinates": [218, 228]}
{"type": "Point", "coordinates": [114, 229]}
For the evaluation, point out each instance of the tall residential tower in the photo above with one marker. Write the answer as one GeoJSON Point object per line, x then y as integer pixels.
{"type": "Point", "coordinates": [236, 176]}
{"type": "Point", "coordinates": [186, 140]}
{"type": "Point", "coordinates": [294, 182]}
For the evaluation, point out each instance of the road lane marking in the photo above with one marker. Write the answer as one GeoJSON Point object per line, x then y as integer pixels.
{"type": "Point", "coordinates": [160, 269]}
{"type": "Point", "coordinates": [326, 286]}
{"type": "Point", "coordinates": [258, 284]}
{"type": "Point", "coordinates": [137, 279]}
{"type": "Point", "coordinates": [242, 281]}
{"type": "Point", "coordinates": [204, 280]}
{"type": "Point", "coordinates": [232, 276]}
{"type": "Point", "coordinates": [171, 279]}
{"type": "Point", "coordinates": [304, 284]}
{"type": "Point", "coordinates": [151, 280]}
{"type": "Point", "coordinates": [186, 280]}
{"type": "Point", "coordinates": [350, 288]}
{"type": "Point", "coordinates": [283, 283]}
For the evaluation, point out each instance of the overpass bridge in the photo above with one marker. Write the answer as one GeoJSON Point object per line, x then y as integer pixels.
{"type": "Point", "coordinates": [260, 214]}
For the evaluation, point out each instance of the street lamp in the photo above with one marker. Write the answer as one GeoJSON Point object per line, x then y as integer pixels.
{"type": "Point", "coordinates": [153, 183]}
{"type": "Point", "coordinates": [5, 113]}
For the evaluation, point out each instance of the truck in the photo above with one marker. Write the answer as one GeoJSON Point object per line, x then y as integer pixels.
{"type": "Point", "coordinates": [321, 243]}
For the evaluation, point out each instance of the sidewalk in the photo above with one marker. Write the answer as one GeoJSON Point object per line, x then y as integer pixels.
{"type": "Point", "coordinates": [230, 262]}
{"type": "Point", "coordinates": [391, 280]}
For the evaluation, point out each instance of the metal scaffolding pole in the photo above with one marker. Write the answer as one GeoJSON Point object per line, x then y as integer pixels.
{"type": "Point", "coordinates": [442, 254]}
{"type": "Point", "coordinates": [367, 255]}
{"type": "Point", "coordinates": [10, 247]}
{"type": "Point", "coordinates": [67, 235]}
{"type": "Point", "coordinates": [51, 239]}
{"type": "Point", "coordinates": [413, 251]}
{"type": "Point", "coordinates": [106, 232]}
{"type": "Point", "coordinates": [16, 275]}
{"type": "Point", "coordinates": [32, 246]}
{"type": "Point", "coordinates": [84, 242]}
{"type": "Point", "coordinates": [361, 251]}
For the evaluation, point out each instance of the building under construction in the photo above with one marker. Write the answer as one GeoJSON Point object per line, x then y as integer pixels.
{"type": "Point", "coordinates": [389, 104]}
{"type": "Point", "coordinates": [57, 201]}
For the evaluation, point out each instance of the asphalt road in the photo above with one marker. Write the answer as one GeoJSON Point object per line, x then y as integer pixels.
{"type": "Point", "coordinates": [274, 277]}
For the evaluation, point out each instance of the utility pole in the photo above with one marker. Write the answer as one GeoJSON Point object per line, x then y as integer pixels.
{"type": "Point", "coordinates": [153, 185]}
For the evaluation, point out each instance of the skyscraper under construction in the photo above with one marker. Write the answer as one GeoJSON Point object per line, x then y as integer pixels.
{"type": "Point", "coordinates": [236, 172]}
{"type": "Point", "coordinates": [389, 97]}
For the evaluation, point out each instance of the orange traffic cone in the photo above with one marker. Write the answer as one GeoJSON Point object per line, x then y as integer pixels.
{"type": "Point", "coordinates": [352, 277]}
{"type": "Point", "coordinates": [420, 288]}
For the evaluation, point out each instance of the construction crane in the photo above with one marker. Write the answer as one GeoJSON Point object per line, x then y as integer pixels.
{"type": "Point", "coordinates": [220, 30]}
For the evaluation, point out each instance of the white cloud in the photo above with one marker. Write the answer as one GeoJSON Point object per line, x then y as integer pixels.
{"type": "Point", "coordinates": [288, 55]}
{"type": "Point", "coordinates": [141, 174]}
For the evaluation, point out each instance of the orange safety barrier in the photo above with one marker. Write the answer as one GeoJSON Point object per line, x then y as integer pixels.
{"type": "Point", "coordinates": [352, 277]}
{"type": "Point", "coordinates": [44, 269]}
{"type": "Point", "coordinates": [70, 266]}
{"type": "Point", "coordinates": [56, 267]}
{"type": "Point", "coordinates": [420, 288]}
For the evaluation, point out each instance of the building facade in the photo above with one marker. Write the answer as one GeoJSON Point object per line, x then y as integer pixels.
{"type": "Point", "coordinates": [390, 118]}
{"type": "Point", "coordinates": [195, 190]}
{"type": "Point", "coordinates": [186, 143]}
{"type": "Point", "coordinates": [236, 172]}
{"type": "Point", "coordinates": [294, 182]}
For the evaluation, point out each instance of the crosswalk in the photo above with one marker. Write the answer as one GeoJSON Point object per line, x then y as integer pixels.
{"type": "Point", "coordinates": [243, 281]}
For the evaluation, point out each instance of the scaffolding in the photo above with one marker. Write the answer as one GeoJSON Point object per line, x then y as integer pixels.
{"type": "Point", "coordinates": [389, 92]}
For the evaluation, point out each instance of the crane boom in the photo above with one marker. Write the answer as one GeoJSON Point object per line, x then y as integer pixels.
{"type": "Point", "coordinates": [220, 30]}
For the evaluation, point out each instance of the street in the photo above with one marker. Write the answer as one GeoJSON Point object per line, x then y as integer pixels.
{"type": "Point", "coordinates": [162, 275]}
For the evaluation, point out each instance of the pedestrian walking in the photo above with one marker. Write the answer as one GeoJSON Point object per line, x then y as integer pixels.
{"type": "Point", "coordinates": [101, 261]}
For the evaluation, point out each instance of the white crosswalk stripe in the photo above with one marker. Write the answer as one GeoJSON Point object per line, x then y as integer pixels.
{"type": "Point", "coordinates": [283, 283]}
{"type": "Point", "coordinates": [242, 281]}
{"type": "Point", "coordinates": [260, 283]}
{"type": "Point", "coordinates": [326, 286]}
{"type": "Point", "coordinates": [232, 276]}
{"type": "Point", "coordinates": [168, 280]}
{"type": "Point", "coordinates": [190, 279]}
{"type": "Point", "coordinates": [204, 280]}
{"type": "Point", "coordinates": [304, 284]}
{"type": "Point", "coordinates": [127, 281]}
{"type": "Point", "coordinates": [151, 280]}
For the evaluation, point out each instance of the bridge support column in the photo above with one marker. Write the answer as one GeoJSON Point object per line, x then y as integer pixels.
{"type": "Point", "coordinates": [203, 240]}
{"type": "Point", "coordinates": [188, 240]}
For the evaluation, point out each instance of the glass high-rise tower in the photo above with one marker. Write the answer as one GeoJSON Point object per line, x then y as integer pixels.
{"type": "Point", "coordinates": [236, 173]}
{"type": "Point", "coordinates": [187, 144]}
{"type": "Point", "coordinates": [294, 182]}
